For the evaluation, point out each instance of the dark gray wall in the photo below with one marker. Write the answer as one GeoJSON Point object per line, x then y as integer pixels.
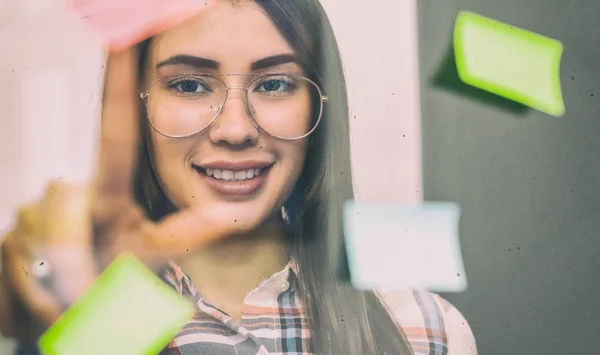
{"type": "Point", "coordinates": [529, 185]}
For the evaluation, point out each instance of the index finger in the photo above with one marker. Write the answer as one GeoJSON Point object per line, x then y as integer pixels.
{"type": "Point", "coordinates": [119, 126]}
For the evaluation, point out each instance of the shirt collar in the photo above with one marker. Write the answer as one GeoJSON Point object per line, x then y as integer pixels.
{"type": "Point", "coordinates": [182, 283]}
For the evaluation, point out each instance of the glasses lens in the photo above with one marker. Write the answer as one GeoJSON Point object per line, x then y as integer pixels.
{"type": "Point", "coordinates": [285, 106]}
{"type": "Point", "coordinates": [185, 105]}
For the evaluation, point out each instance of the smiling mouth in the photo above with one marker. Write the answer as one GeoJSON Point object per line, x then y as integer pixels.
{"type": "Point", "coordinates": [231, 175]}
{"type": "Point", "coordinates": [234, 182]}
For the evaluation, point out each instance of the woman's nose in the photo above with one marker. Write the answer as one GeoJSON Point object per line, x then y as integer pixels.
{"type": "Point", "coordinates": [234, 125]}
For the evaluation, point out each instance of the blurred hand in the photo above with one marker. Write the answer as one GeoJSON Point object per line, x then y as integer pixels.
{"type": "Point", "coordinates": [80, 229]}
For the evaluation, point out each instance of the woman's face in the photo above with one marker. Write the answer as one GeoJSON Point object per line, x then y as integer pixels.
{"type": "Point", "coordinates": [219, 165]}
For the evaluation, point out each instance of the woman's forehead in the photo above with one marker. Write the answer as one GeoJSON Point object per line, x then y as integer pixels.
{"type": "Point", "coordinates": [234, 35]}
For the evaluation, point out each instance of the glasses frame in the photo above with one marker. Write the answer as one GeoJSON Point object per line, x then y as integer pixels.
{"type": "Point", "coordinates": [144, 95]}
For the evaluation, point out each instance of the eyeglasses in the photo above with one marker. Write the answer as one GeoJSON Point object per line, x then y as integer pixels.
{"type": "Point", "coordinates": [285, 106]}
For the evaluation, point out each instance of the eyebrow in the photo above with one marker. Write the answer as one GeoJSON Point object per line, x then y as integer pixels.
{"type": "Point", "coordinates": [204, 63]}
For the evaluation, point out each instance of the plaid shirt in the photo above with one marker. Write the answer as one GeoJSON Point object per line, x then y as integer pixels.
{"type": "Point", "coordinates": [274, 321]}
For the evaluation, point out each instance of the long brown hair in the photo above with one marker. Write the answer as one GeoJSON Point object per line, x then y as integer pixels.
{"type": "Point", "coordinates": [343, 320]}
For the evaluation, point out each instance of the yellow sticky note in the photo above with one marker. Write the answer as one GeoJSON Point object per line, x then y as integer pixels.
{"type": "Point", "coordinates": [510, 62]}
{"type": "Point", "coordinates": [129, 310]}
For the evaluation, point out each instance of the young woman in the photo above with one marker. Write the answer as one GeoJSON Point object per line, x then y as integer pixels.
{"type": "Point", "coordinates": [244, 123]}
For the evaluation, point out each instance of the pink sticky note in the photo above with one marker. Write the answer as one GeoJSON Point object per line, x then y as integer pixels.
{"type": "Point", "coordinates": [123, 23]}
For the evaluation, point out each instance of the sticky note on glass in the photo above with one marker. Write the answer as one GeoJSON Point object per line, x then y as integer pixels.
{"type": "Point", "coordinates": [399, 247]}
{"type": "Point", "coordinates": [121, 24]}
{"type": "Point", "coordinates": [510, 62]}
{"type": "Point", "coordinates": [129, 310]}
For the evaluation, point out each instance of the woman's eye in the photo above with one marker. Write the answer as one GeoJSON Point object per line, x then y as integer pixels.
{"type": "Point", "coordinates": [275, 86]}
{"type": "Point", "coordinates": [190, 86]}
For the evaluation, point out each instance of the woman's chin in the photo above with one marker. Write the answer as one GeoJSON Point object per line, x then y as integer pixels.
{"type": "Point", "coordinates": [240, 216]}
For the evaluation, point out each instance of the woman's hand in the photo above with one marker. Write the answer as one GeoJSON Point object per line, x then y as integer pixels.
{"type": "Point", "coordinates": [57, 231]}
{"type": "Point", "coordinates": [74, 227]}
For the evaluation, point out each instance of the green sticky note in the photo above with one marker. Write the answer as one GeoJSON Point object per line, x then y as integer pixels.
{"type": "Point", "coordinates": [395, 246]}
{"type": "Point", "coordinates": [129, 310]}
{"type": "Point", "coordinates": [510, 62]}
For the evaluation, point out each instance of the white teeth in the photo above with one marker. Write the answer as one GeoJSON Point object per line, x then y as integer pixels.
{"type": "Point", "coordinates": [227, 175]}
{"type": "Point", "coordinates": [233, 175]}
